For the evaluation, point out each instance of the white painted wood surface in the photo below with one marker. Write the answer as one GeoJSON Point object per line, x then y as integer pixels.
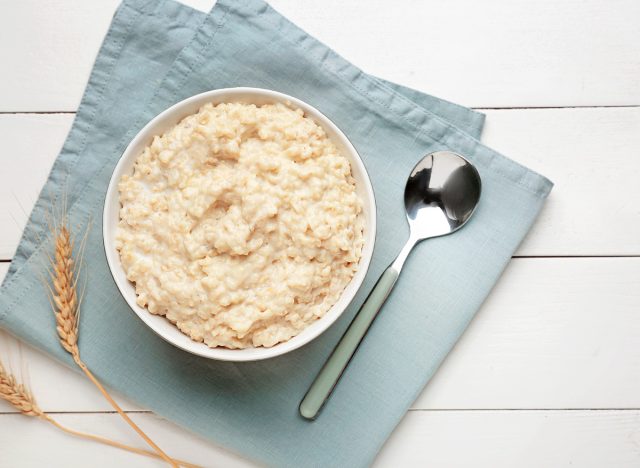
{"type": "Point", "coordinates": [548, 373]}
{"type": "Point", "coordinates": [439, 439]}
{"type": "Point", "coordinates": [495, 53]}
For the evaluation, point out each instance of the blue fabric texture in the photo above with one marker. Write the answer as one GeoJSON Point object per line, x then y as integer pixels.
{"type": "Point", "coordinates": [159, 52]}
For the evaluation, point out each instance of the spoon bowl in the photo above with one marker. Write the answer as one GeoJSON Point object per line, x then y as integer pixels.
{"type": "Point", "coordinates": [441, 194]}
{"type": "Point", "coordinates": [440, 197]}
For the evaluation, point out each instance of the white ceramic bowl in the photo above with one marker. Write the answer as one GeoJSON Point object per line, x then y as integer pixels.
{"type": "Point", "coordinates": [164, 122]}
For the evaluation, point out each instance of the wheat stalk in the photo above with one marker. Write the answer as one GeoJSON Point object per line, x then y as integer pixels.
{"type": "Point", "coordinates": [65, 302]}
{"type": "Point", "coordinates": [19, 396]}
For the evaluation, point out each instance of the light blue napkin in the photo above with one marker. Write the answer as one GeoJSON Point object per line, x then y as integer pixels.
{"type": "Point", "coordinates": [157, 53]}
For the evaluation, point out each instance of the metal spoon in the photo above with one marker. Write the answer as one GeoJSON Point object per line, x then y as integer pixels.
{"type": "Point", "coordinates": [441, 194]}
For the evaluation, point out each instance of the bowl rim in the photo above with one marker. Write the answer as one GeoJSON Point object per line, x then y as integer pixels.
{"type": "Point", "coordinates": [200, 348]}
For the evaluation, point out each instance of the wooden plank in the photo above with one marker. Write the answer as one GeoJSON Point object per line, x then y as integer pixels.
{"type": "Point", "coordinates": [555, 333]}
{"type": "Point", "coordinates": [20, 435]}
{"type": "Point", "coordinates": [58, 42]}
{"type": "Point", "coordinates": [424, 438]}
{"type": "Point", "coordinates": [590, 212]}
{"type": "Point", "coordinates": [482, 54]}
{"type": "Point", "coordinates": [592, 156]}
{"type": "Point", "coordinates": [32, 142]}
{"type": "Point", "coordinates": [519, 53]}
{"type": "Point", "coordinates": [588, 439]}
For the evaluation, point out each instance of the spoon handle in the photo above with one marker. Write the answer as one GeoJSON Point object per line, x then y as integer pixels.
{"type": "Point", "coordinates": [332, 370]}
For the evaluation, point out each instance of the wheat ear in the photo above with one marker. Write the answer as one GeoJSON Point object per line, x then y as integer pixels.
{"type": "Point", "coordinates": [19, 396]}
{"type": "Point", "coordinates": [66, 307]}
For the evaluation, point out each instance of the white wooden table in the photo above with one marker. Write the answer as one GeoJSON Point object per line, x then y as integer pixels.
{"type": "Point", "coordinates": [548, 373]}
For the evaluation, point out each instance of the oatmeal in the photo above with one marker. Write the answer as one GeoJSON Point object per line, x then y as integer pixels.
{"type": "Point", "coordinates": [241, 225]}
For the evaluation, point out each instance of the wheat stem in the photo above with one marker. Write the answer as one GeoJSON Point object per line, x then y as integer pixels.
{"type": "Point", "coordinates": [125, 416]}
{"type": "Point", "coordinates": [113, 443]}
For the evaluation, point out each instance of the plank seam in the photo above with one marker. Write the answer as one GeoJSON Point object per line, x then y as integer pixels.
{"type": "Point", "coordinates": [470, 410]}
{"type": "Point", "coordinates": [36, 112]}
{"type": "Point", "coordinates": [578, 256]}
{"type": "Point", "coordinates": [8, 260]}
{"type": "Point", "coordinates": [481, 108]}
{"type": "Point", "coordinates": [614, 106]}
{"type": "Point", "coordinates": [411, 410]}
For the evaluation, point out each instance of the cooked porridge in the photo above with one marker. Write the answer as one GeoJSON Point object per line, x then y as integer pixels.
{"type": "Point", "coordinates": [241, 224]}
